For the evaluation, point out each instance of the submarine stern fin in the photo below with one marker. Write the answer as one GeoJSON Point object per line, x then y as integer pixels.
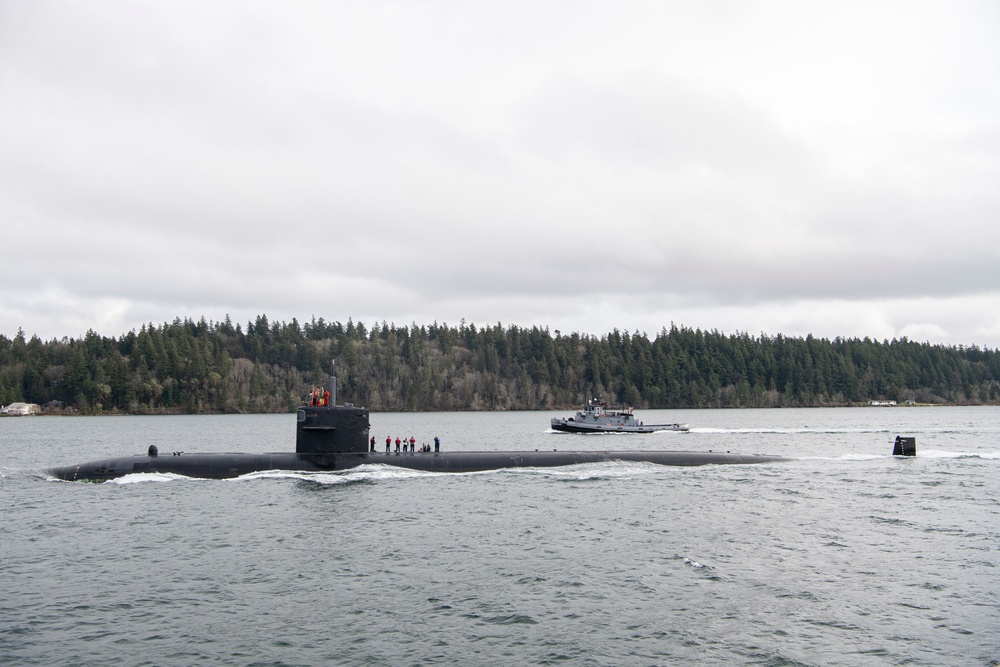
{"type": "Point", "coordinates": [905, 446]}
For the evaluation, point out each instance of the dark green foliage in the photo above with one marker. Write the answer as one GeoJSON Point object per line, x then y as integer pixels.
{"type": "Point", "coordinates": [188, 366]}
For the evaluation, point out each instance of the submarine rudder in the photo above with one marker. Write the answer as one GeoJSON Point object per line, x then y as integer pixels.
{"type": "Point", "coordinates": [904, 446]}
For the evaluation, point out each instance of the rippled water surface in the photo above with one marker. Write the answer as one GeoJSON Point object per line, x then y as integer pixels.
{"type": "Point", "coordinates": [842, 556]}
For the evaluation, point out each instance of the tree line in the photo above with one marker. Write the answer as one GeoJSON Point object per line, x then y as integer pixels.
{"type": "Point", "coordinates": [203, 366]}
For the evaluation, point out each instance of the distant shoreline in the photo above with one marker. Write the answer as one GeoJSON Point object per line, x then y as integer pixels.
{"type": "Point", "coordinates": [176, 412]}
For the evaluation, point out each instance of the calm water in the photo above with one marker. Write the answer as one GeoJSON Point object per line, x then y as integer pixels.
{"type": "Point", "coordinates": [844, 556]}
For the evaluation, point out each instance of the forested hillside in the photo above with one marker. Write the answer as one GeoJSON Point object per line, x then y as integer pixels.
{"type": "Point", "coordinates": [270, 367]}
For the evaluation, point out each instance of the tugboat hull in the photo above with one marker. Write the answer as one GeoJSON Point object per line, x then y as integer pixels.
{"type": "Point", "coordinates": [570, 426]}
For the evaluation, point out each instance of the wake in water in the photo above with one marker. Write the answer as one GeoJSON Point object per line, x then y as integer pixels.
{"type": "Point", "coordinates": [786, 431]}
{"type": "Point", "coordinates": [937, 454]}
{"type": "Point", "coordinates": [921, 454]}
{"type": "Point", "coordinates": [808, 430]}
{"type": "Point", "coordinates": [141, 478]}
{"type": "Point", "coordinates": [377, 473]}
{"type": "Point", "coordinates": [353, 476]}
{"type": "Point", "coordinates": [590, 471]}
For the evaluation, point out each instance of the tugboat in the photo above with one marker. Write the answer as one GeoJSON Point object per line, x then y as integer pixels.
{"type": "Point", "coordinates": [596, 417]}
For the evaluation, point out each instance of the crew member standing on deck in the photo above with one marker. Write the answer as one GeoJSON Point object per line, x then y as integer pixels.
{"type": "Point", "coordinates": [437, 444]}
{"type": "Point", "coordinates": [388, 441]}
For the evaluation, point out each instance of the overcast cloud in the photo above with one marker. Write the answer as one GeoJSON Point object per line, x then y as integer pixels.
{"type": "Point", "coordinates": [759, 167]}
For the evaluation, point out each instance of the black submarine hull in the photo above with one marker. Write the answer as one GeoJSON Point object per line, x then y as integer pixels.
{"type": "Point", "coordinates": [226, 466]}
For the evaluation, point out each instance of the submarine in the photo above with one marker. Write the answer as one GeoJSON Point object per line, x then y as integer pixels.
{"type": "Point", "coordinates": [335, 437]}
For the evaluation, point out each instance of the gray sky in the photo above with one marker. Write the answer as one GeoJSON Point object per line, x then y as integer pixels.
{"type": "Point", "coordinates": [761, 167]}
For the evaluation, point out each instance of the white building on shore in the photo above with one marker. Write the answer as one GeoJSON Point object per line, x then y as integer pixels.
{"type": "Point", "coordinates": [21, 409]}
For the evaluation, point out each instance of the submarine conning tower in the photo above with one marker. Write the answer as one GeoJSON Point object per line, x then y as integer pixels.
{"type": "Point", "coordinates": [331, 429]}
